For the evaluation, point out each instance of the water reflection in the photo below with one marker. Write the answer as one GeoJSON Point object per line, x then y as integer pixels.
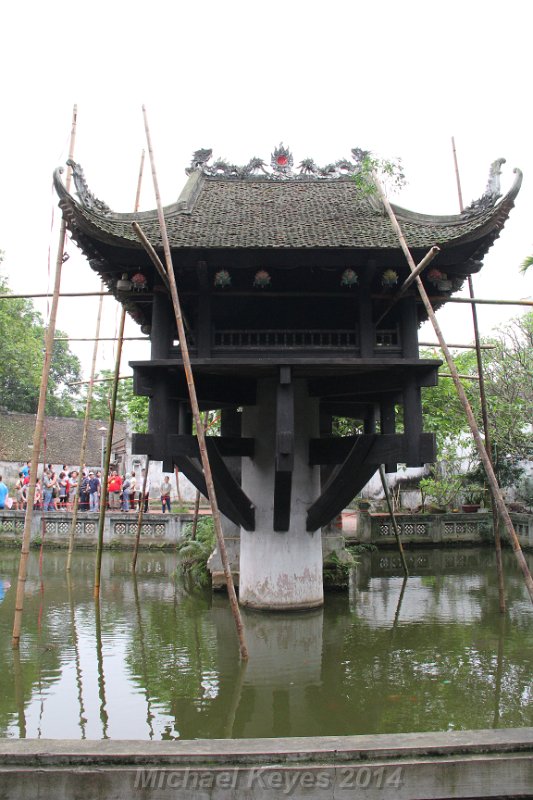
{"type": "Point", "coordinates": [155, 660]}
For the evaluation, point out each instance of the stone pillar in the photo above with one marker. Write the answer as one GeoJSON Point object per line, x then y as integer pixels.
{"type": "Point", "coordinates": [280, 570]}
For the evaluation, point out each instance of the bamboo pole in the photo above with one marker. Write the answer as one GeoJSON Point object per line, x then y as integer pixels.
{"type": "Point", "coordinates": [101, 339]}
{"type": "Point", "coordinates": [103, 380]}
{"type": "Point", "coordinates": [458, 346]}
{"type": "Point", "coordinates": [478, 301]}
{"type": "Point", "coordinates": [77, 661]}
{"type": "Point", "coordinates": [47, 294]}
{"type": "Point", "coordinates": [177, 479]}
{"type": "Point", "coordinates": [491, 477]}
{"type": "Point", "coordinates": [140, 514]}
{"type": "Point", "coordinates": [484, 413]}
{"type": "Point", "coordinates": [110, 430]}
{"type": "Point", "coordinates": [107, 460]}
{"type": "Point", "coordinates": [84, 436]}
{"type": "Point", "coordinates": [393, 518]}
{"type": "Point", "coordinates": [200, 433]}
{"type": "Point", "coordinates": [39, 421]}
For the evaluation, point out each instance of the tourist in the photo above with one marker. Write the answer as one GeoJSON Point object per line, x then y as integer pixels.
{"type": "Point", "coordinates": [49, 483]}
{"type": "Point", "coordinates": [63, 490]}
{"type": "Point", "coordinates": [165, 494]}
{"type": "Point", "coordinates": [133, 486]}
{"type": "Point", "coordinates": [146, 491]}
{"type": "Point", "coordinates": [126, 492]}
{"type": "Point", "coordinates": [84, 493]}
{"type": "Point", "coordinates": [26, 470]}
{"type": "Point", "coordinates": [38, 497]}
{"type": "Point", "coordinates": [94, 492]}
{"type": "Point", "coordinates": [114, 486]}
{"type": "Point", "coordinates": [72, 487]}
{"type": "Point", "coordinates": [4, 491]}
{"type": "Point", "coordinates": [19, 492]}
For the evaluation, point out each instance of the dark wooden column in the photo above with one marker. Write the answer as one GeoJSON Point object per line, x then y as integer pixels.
{"type": "Point", "coordinates": [367, 335]}
{"type": "Point", "coordinates": [203, 333]}
{"type": "Point", "coordinates": [162, 421]}
{"type": "Point", "coordinates": [184, 419]}
{"type": "Point", "coordinates": [231, 425]}
{"type": "Point", "coordinates": [409, 326]}
{"type": "Point", "coordinates": [412, 420]}
{"type": "Point", "coordinates": [162, 329]}
{"type": "Point", "coordinates": [388, 423]}
{"type": "Point", "coordinates": [325, 422]}
{"type": "Point", "coordinates": [370, 420]}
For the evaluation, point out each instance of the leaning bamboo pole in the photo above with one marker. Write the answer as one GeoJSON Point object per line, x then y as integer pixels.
{"type": "Point", "coordinates": [393, 518]}
{"type": "Point", "coordinates": [111, 428]}
{"type": "Point", "coordinates": [140, 513]}
{"type": "Point", "coordinates": [200, 433]}
{"type": "Point", "coordinates": [484, 412]}
{"type": "Point", "coordinates": [39, 421]}
{"type": "Point", "coordinates": [491, 477]}
{"type": "Point", "coordinates": [84, 437]}
{"type": "Point", "coordinates": [107, 459]}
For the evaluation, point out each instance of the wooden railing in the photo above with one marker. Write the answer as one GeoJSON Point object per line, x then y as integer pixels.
{"type": "Point", "coordinates": [282, 339]}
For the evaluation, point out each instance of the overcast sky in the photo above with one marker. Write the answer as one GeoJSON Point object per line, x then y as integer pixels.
{"type": "Point", "coordinates": [396, 78]}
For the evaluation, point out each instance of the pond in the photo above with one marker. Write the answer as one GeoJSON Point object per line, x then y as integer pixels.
{"type": "Point", "coordinates": [156, 660]}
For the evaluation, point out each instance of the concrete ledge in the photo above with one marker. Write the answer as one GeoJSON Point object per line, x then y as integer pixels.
{"type": "Point", "coordinates": [462, 764]}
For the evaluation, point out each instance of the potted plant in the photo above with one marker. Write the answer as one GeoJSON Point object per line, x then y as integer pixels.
{"type": "Point", "coordinates": [439, 493]}
{"type": "Point", "coordinates": [473, 495]}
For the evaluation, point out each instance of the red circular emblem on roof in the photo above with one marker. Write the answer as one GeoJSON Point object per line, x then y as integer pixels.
{"type": "Point", "coordinates": [282, 160]}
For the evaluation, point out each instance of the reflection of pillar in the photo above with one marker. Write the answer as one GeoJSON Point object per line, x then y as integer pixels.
{"type": "Point", "coordinates": [280, 570]}
{"type": "Point", "coordinates": [285, 660]}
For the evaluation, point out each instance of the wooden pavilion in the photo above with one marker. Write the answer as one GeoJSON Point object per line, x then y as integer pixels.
{"type": "Point", "coordinates": [287, 279]}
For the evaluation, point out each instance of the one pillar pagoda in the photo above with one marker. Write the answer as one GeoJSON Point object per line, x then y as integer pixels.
{"type": "Point", "coordinates": [286, 279]}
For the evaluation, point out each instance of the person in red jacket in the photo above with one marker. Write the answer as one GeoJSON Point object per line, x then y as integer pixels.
{"type": "Point", "coordinates": [114, 488]}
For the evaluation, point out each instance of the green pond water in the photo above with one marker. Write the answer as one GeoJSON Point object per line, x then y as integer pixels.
{"type": "Point", "coordinates": [155, 660]}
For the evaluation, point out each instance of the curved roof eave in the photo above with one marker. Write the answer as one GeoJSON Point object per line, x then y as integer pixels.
{"type": "Point", "coordinates": [91, 221]}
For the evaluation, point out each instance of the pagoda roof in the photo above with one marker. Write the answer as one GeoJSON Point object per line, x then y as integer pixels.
{"type": "Point", "coordinates": [226, 207]}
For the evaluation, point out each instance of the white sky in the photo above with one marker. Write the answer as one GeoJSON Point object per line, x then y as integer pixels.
{"type": "Point", "coordinates": [239, 77]}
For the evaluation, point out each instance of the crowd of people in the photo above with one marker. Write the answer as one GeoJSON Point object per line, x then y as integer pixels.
{"type": "Point", "coordinates": [57, 491]}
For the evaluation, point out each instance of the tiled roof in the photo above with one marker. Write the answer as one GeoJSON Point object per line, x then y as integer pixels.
{"type": "Point", "coordinates": [63, 438]}
{"type": "Point", "coordinates": [259, 213]}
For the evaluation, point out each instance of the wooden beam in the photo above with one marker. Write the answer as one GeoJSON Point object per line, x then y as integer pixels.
{"type": "Point", "coordinates": [228, 446]}
{"type": "Point", "coordinates": [343, 485]}
{"type": "Point", "coordinates": [386, 447]}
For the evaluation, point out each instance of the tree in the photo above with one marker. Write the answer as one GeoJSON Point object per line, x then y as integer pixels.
{"type": "Point", "coordinates": [22, 332]}
{"type": "Point", "coordinates": [508, 371]}
{"type": "Point", "coordinates": [130, 408]}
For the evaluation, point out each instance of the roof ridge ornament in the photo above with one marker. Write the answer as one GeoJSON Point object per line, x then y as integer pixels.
{"type": "Point", "coordinates": [86, 197]}
{"type": "Point", "coordinates": [281, 166]}
{"type": "Point", "coordinates": [492, 191]}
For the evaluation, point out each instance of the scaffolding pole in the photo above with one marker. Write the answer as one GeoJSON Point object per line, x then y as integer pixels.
{"type": "Point", "coordinates": [484, 413]}
{"type": "Point", "coordinates": [84, 437]}
{"type": "Point", "coordinates": [491, 477]}
{"type": "Point", "coordinates": [39, 421]}
{"type": "Point", "coordinates": [200, 433]}
{"type": "Point", "coordinates": [393, 518]}
{"type": "Point", "coordinates": [110, 430]}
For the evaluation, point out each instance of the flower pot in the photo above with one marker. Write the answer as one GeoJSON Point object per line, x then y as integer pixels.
{"type": "Point", "coordinates": [470, 508]}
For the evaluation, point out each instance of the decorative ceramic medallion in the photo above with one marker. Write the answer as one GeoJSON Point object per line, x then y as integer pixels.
{"type": "Point", "coordinates": [281, 160]}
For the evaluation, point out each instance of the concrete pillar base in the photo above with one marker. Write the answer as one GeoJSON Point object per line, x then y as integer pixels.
{"type": "Point", "coordinates": [280, 571]}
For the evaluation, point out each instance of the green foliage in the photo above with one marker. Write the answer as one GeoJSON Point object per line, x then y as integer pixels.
{"type": "Point", "coordinates": [389, 172]}
{"type": "Point", "coordinates": [336, 571]}
{"type": "Point", "coordinates": [508, 371]}
{"type": "Point", "coordinates": [22, 333]}
{"type": "Point", "coordinates": [130, 408]}
{"type": "Point", "coordinates": [194, 553]}
{"type": "Point", "coordinates": [526, 264]}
